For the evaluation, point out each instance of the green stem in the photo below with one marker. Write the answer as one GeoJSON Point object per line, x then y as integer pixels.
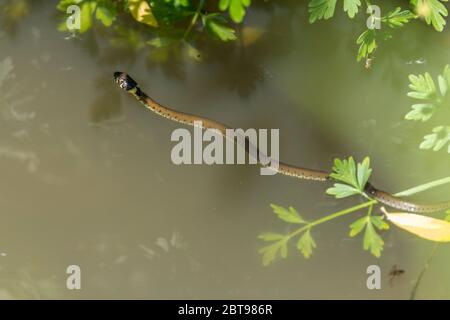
{"type": "Point", "coordinates": [427, 264]}
{"type": "Point", "coordinates": [423, 187]}
{"type": "Point", "coordinates": [331, 217]}
{"type": "Point", "coordinates": [194, 18]}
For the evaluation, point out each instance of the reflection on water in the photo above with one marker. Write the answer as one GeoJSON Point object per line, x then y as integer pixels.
{"type": "Point", "coordinates": [87, 177]}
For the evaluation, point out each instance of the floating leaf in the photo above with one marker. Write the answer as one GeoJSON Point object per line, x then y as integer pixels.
{"type": "Point", "coordinates": [141, 11]}
{"type": "Point", "coordinates": [422, 226]}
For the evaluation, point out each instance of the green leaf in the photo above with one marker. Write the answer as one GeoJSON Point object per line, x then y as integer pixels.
{"type": "Point", "coordinates": [351, 7]}
{"type": "Point", "coordinates": [354, 175]}
{"type": "Point", "coordinates": [306, 244]}
{"type": "Point", "coordinates": [378, 222]}
{"type": "Point", "coordinates": [216, 26]}
{"type": "Point", "coordinates": [444, 81]}
{"type": "Point", "coordinates": [372, 241]}
{"type": "Point", "coordinates": [357, 226]}
{"type": "Point", "coordinates": [397, 18]}
{"type": "Point", "coordinates": [437, 140]}
{"type": "Point", "coordinates": [289, 215]}
{"type": "Point", "coordinates": [236, 8]}
{"type": "Point", "coordinates": [271, 252]}
{"type": "Point", "coordinates": [106, 15]}
{"type": "Point", "coordinates": [421, 112]}
{"type": "Point", "coordinates": [321, 9]}
{"type": "Point", "coordinates": [423, 86]}
{"type": "Point", "coordinates": [345, 171]}
{"type": "Point", "coordinates": [367, 44]}
{"type": "Point", "coordinates": [340, 191]}
{"type": "Point", "coordinates": [363, 173]}
{"type": "Point", "coordinates": [433, 11]}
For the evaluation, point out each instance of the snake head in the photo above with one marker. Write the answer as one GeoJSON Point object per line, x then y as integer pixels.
{"type": "Point", "coordinates": [124, 81]}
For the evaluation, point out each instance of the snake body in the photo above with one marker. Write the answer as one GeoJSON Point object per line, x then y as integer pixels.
{"type": "Point", "coordinates": [126, 83]}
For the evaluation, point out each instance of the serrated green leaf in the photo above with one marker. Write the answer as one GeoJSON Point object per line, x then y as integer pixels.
{"type": "Point", "coordinates": [357, 226]}
{"type": "Point", "coordinates": [397, 17]}
{"type": "Point", "coordinates": [340, 191]}
{"type": "Point", "coordinates": [289, 215]}
{"type": "Point", "coordinates": [433, 11]}
{"type": "Point", "coordinates": [378, 222]}
{"type": "Point", "coordinates": [372, 241]}
{"type": "Point", "coordinates": [421, 112]}
{"type": "Point", "coordinates": [437, 140]}
{"type": "Point", "coordinates": [306, 244]}
{"type": "Point", "coordinates": [351, 7]}
{"type": "Point", "coordinates": [367, 44]}
{"type": "Point", "coordinates": [321, 9]}
{"type": "Point", "coordinates": [270, 252]}
{"type": "Point", "coordinates": [363, 173]}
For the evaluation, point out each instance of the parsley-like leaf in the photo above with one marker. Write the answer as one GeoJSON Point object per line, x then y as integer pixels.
{"type": "Point", "coordinates": [271, 251]}
{"type": "Point", "coordinates": [289, 215]}
{"type": "Point", "coordinates": [367, 44]}
{"type": "Point", "coordinates": [437, 140]}
{"type": "Point", "coordinates": [372, 241]}
{"type": "Point", "coordinates": [355, 177]}
{"type": "Point", "coordinates": [306, 244]}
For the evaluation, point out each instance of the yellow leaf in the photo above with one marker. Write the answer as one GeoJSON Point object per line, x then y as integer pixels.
{"type": "Point", "coordinates": [422, 226]}
{"type": "Point", "coordinates": [141, 11]}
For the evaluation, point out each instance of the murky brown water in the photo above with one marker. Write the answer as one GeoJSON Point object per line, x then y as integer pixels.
{"type": "Point", "coordinates": [87, 177]}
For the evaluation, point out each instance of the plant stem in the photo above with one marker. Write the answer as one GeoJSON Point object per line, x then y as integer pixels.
{"type": "Point", "coordinates": [332, 216]}
{"type": "Point", "coordinates": [423, 187]}
{"type": "Point", "coordinates": [194, 18]}
{"type": "Point", "coordinates": [425, 267]}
